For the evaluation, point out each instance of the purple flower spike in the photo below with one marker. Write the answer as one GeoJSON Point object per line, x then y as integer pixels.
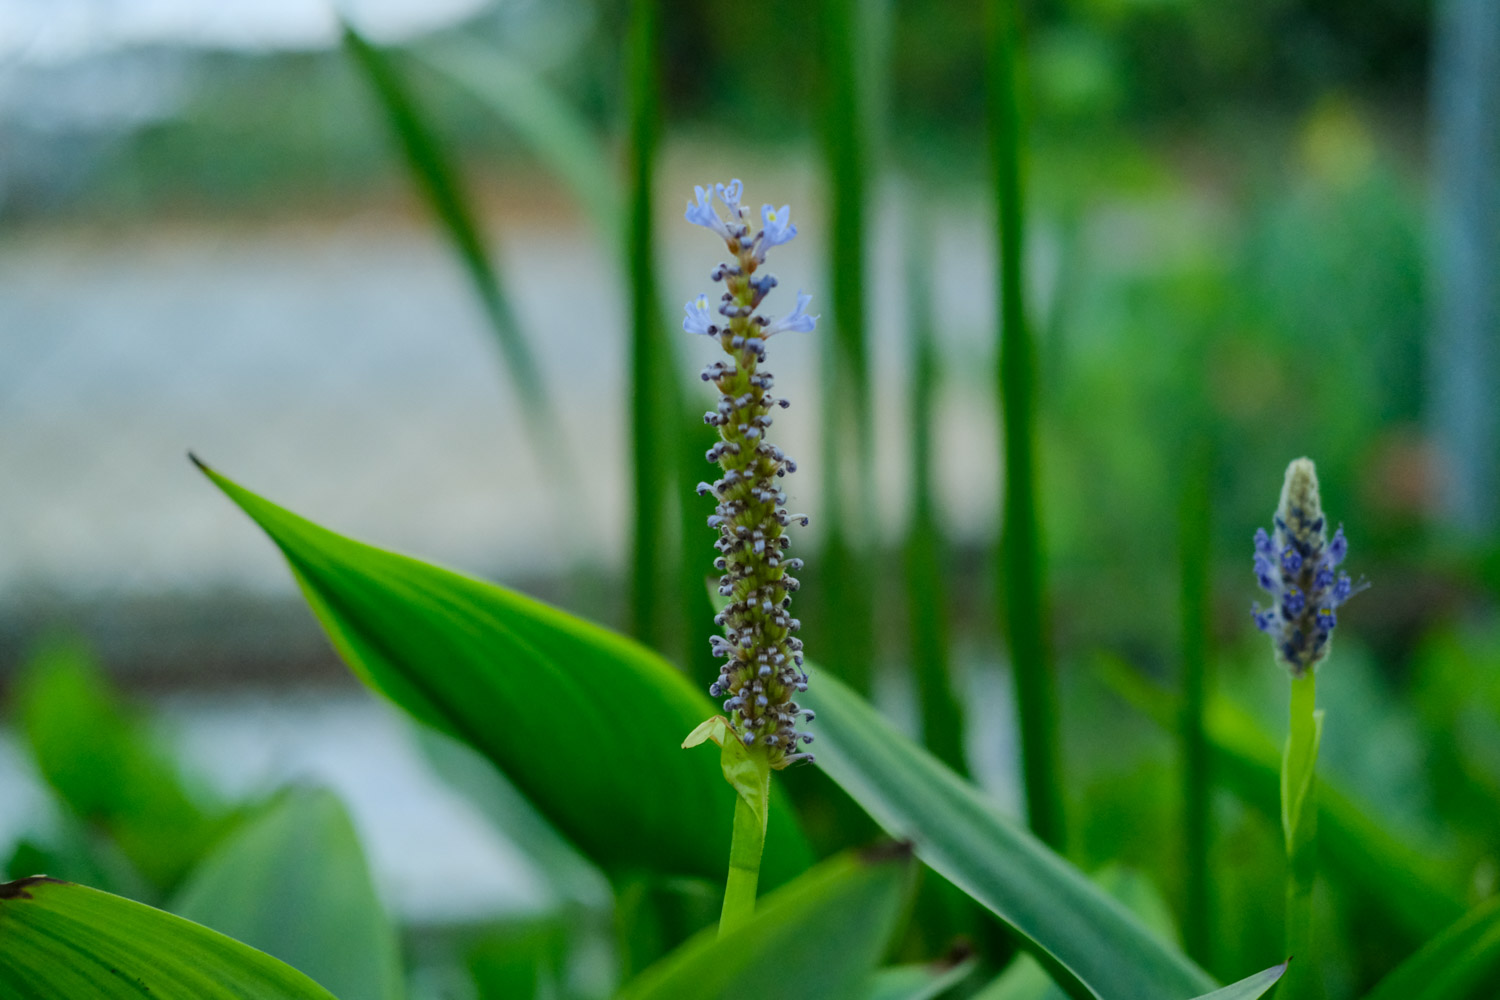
{"type": "Point", "coordinates": [1296, 568]}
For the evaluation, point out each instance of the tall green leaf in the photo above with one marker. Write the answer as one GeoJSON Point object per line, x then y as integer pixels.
{"type": "Point", "coordinates": [817, 938]}
{"type": "Point", "coordinates": [99, 760]}
{"type": "Point", "coordinates": [1025, 608]}
{"type": "Point", "coordinates": [1407, 884]}
{"type": "Point", "coordinates": [68, 942]}
{"type": "Point", "coordinates": [438, 180]}
{"type": "Point", "coordinates": [1462, 963]}
{"type": "Point", "coordinates": [292, 881]}
{"type": "Point", "coordinates": [1090, 943]}
{"type": "Point", "coordinates": [586, 723]}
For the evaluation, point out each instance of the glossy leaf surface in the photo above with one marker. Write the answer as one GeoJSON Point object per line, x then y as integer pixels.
{"type": "Point", "coordinates": [1088, 941]}
{"type": "Point", "coordinates": [68, 941]}
{"type": "Point", "coordinates": [587, 724]}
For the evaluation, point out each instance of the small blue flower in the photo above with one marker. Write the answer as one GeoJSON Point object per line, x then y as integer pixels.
{"type": "Point", "coordinates": [729, 194]}
{"type": "Point", "coordinates": [796, 321]}
{"type": "Point", "coordinates": [698, 318]}
{"type": "Point", "coordinates": [1291, 562]}
{"type": "Point", "coordinates": [1338, 548]}
{"type": "Point", "coordinates": [702, 212]}
{"type": "Point", "coordinates": [778, 227]}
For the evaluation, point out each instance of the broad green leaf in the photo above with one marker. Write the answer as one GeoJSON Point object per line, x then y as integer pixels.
{"type": "Point", "coordinates": [587, 724]}
{"type": "Point", "coordinates": [1462, 963]}
{"type": "Point", "coordinates": [69, 942]}
{"type": "Point", "coordinates": [919, 982]}
{"type": "Point", "coordinates": [292, 881]}
{"type": "Point", "coordinates": [1089, 942]}
{"type": "Point", "coordinates": [96, 756]}
{"type": "Point", "coordinates": [817, 938]}
{"type": "Point", "coordinates": [1408, 884]}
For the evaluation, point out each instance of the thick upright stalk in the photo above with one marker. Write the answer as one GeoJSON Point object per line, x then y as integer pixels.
{"type": "Point", "coordinates": [1024, 611]}
{"type": "Point", "coordinates": [1300, 816]}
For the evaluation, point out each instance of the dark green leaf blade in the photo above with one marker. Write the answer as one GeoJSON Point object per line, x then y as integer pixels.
{"type": "Point", "coordinates": [586, 723]}
{"type": "Point", "coordinates": [69, 941]}
{"type": "Point", "coordinates": [1088, 941]}
{"type": "Point", "coordinates": [292, 881]}
{"type": "Point", "coordinates": [817, 938]}
{"type": "Point", "coordinates": [1462, 963]}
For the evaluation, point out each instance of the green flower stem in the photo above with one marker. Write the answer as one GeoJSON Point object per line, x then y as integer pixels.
{"type": "Point", "coordinates": [1299, 820]}
{"type": "Point", "coordinates": [745, 850]}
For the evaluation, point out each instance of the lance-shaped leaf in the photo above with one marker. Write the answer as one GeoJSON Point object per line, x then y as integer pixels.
{"type": "Point", "coordinates": [62, 940]}
{"type": "Point", "coordinates": [817, 938]}
{"type": "Point", "coordinates": [292, 881]}
{"type": "Point", "coordinates": [1462, 963]}
{"type": "Point", "coordinates": [586, 723]}
{"type": "Point", "coordinates": [1088, 942]}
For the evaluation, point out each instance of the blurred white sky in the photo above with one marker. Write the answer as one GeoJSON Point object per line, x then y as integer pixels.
{"type": "Point", "coordinates": [53, 31]}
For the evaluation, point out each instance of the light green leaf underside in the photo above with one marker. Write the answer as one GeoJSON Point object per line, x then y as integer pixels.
{"type": "Point", "coordinates": [817, 938]}
{"type": "Point", "coordinates": [292, 881]}
{"type": "Point", "coordinates": [68, 942]}
{"type": "Point", "coordinates": [1249, 988]}
{"type": "Point", "coordinates": [1091, 943]}
{"type": "Point", "coordinates": [1462, 963]}
{"type": "Point", "coordinates": [584, 722]}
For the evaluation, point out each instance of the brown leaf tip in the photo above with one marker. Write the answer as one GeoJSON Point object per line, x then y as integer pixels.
{"type": "Point", "coordinates": [17, 889]}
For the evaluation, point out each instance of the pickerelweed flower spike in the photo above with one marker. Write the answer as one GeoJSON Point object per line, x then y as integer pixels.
{"type": "Point", "coordinates": [763, 665]}
{"type": "Point", "coordinates": [1295, 565]}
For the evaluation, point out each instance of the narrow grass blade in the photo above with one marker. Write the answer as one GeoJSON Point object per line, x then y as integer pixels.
{"type": "Point", "coordinates": [926, 546]}
{"type": "Point", "coordinates": [1088, 942]}
{"type": "Point", "coordinates": [68, 941]}
{"type": "Point", "coordinates": [1025, 609]}
{"type": "Point", "coordinates": [553, 131]}
{"type": "Point", "coordinates": [1402, 881]}
{"type": "Point", "coordinates": [1251, 987]}
{"type": "Point", "coordinates": [292, 881]}
{"type": "Point", "coordinates": [1023, 981]}
{"type": "Point", "coordinates": [584, 722]}
{"type": "Point", "coordinates": [100, 762]}
{"type": "Point", "coordinates": [653, 403]}
{"type": "Point", "coordinates": [848, 619]}
{"type": "Point", "coordinates": [1462, 963]}
{"type": "Point", "coordinates": [1194, 540]}
{"type": "Point", "coordinates": [438, 181]}
{"type": "Point", "coordinates": [817, 938]}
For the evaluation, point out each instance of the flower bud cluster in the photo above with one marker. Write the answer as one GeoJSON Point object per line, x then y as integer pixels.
{"type": "Point", "coordinates": [763, 664]}
{"type": "Point", "coordinates": [1296, 565]}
